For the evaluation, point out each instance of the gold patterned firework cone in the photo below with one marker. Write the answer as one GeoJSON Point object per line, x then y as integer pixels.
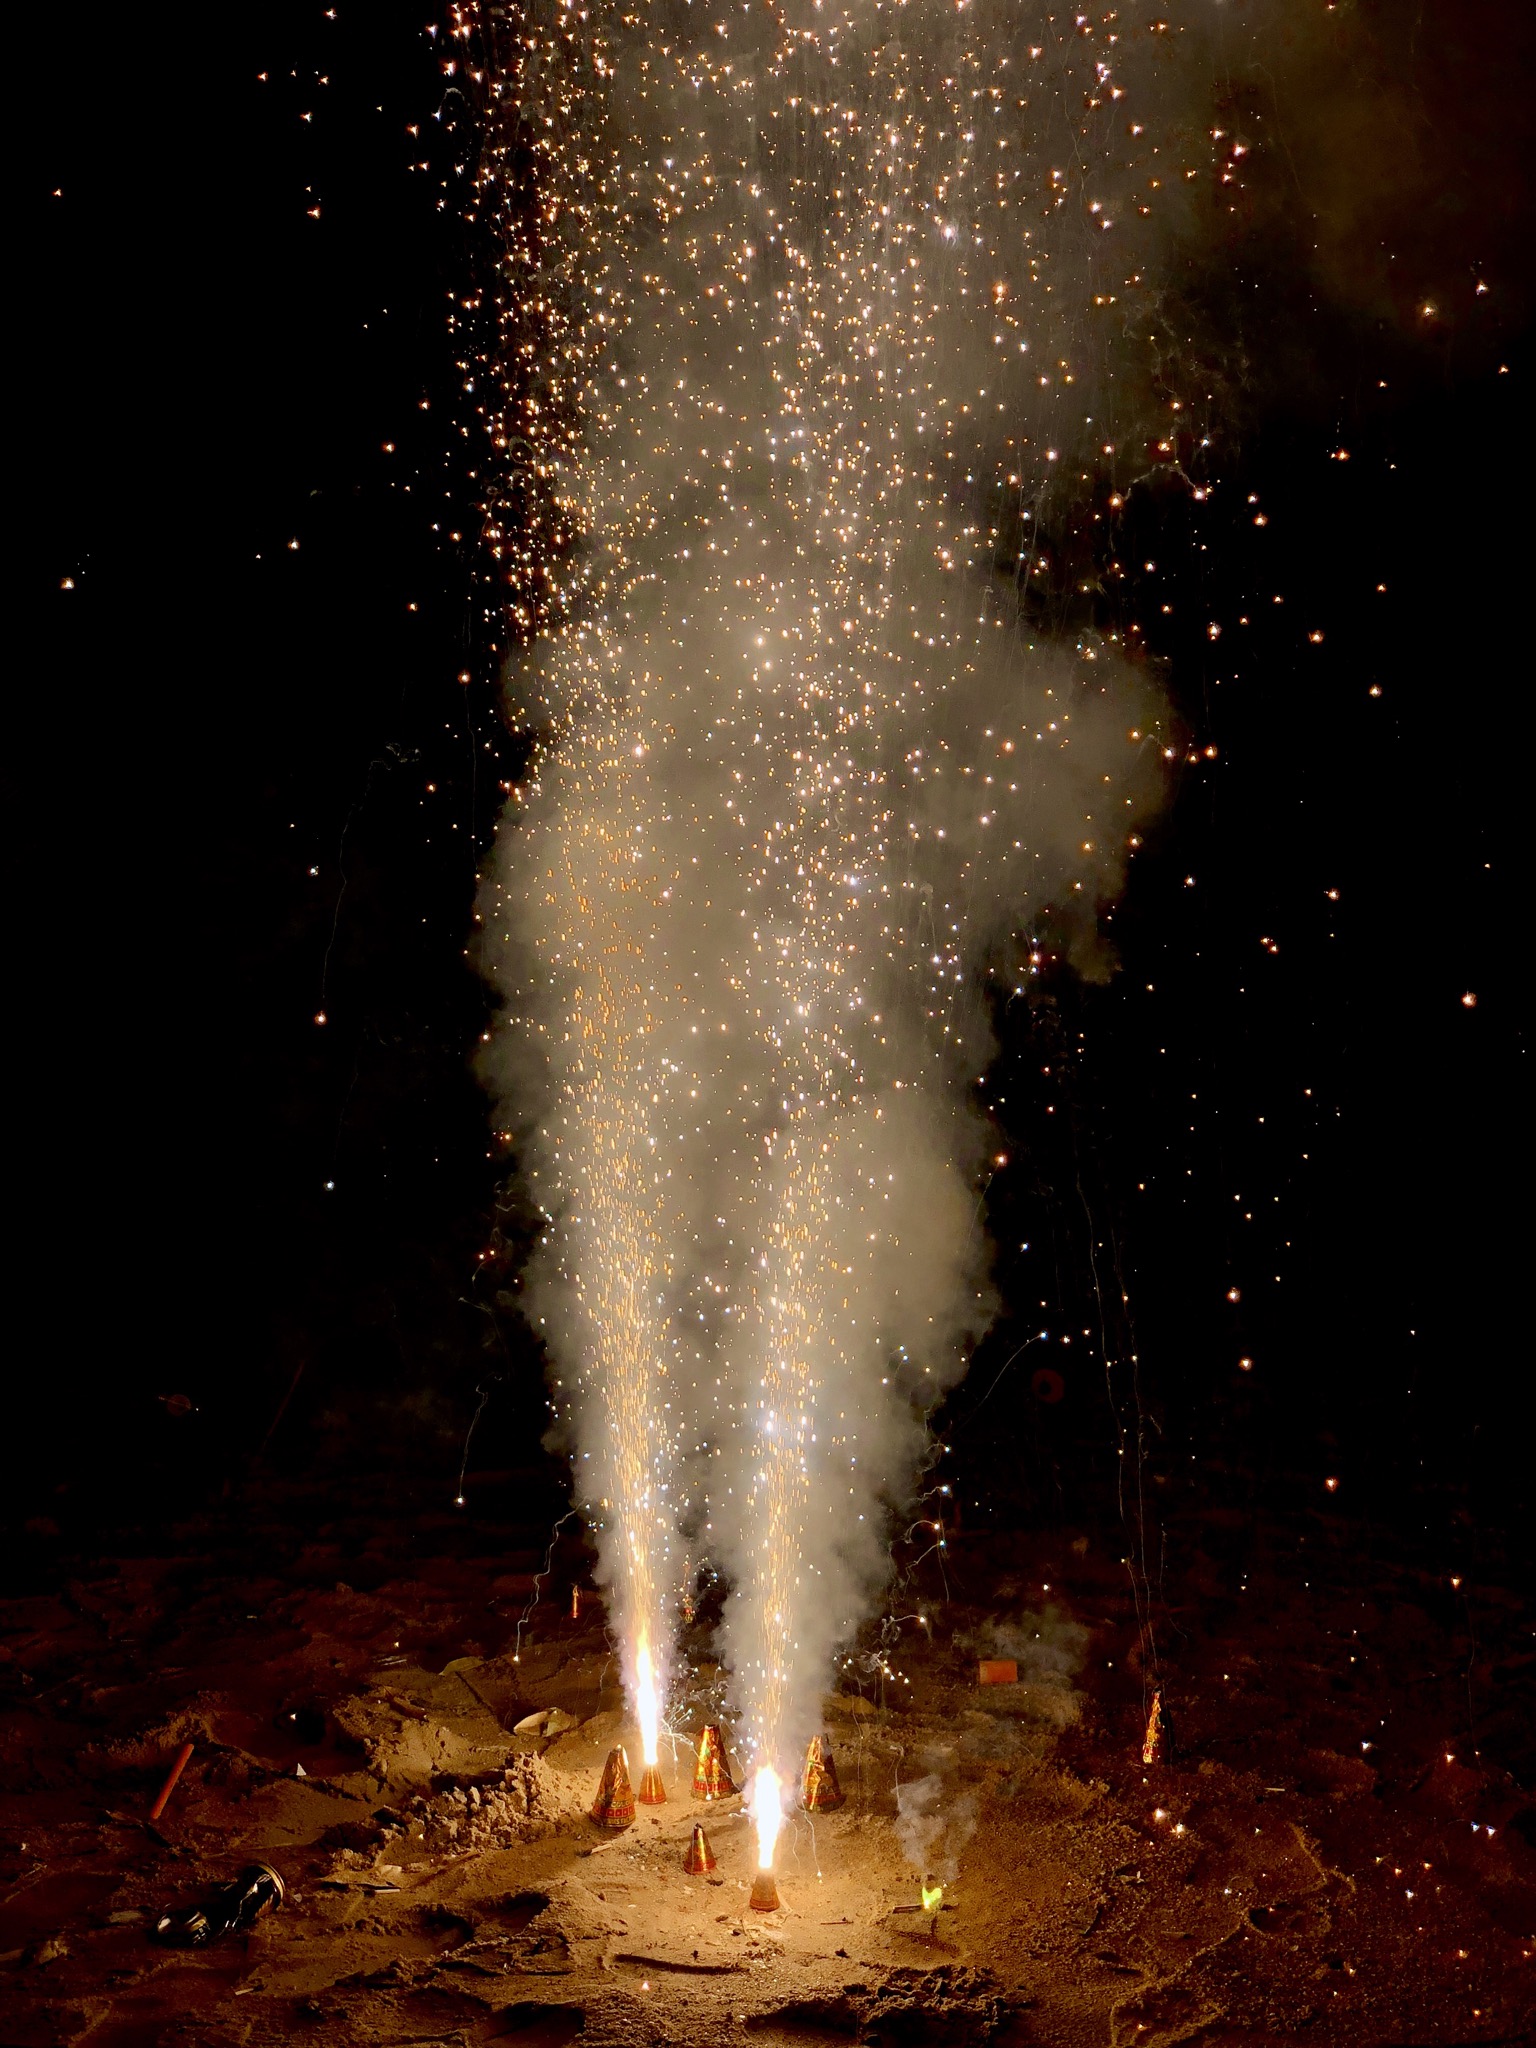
{"type": "Point", "coordinates": [652, 1791]}
{"type": "Point", "coordinates": [1155, 1743]}
{"type": "Point", "coordinates": [614, 1806]}
{"type": "Point", "coordinates": [700, 1859]}
{"type": "Point", "coordinates": [819, 1790]}
{"type": "Point", "coordinates": [765, 1893]}
{"type": "Point", "coordinates": [711, 1779]}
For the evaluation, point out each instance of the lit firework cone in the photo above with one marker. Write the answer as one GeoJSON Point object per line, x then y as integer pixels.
{"type": "Point", "coordinates": [711, 1780]}
{"type": "Point", "coordinates": [819, 1790]}
{"type": "Point", "coordinates": [700, 1859]}
{"type": "Point", "coordinates": [1155, 1743]}
{"type": "Point", "coordinates": [614, 1806]}
{"type": "Point", "coordinates": [765, 1893]}
{"type": "Point", "coordinates": [652, 1791]}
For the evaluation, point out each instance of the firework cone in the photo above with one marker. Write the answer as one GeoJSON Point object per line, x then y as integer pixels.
{"type": "Point", "coordinates": [765, 1893]}
{"type": "Point", "coordinates": [819, 1790]}
{"type": "Point", "coordinates": [711, 1779]}
{"type": "Point", "coordinates": [700, 1859]}
{"type": "Point", "coordinates": [1157, 1742]}
{"type": "Point", "coordinates": [652, 1791]}
{"type": "Point", "coordinates": [614, 1806]}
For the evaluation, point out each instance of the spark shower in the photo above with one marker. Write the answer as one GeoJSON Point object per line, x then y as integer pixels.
{"type": "Point", "coordinates": [821, 321]}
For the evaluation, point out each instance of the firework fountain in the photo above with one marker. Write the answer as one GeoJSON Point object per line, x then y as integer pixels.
{"type": "Point", "coordinates": [838, 326]}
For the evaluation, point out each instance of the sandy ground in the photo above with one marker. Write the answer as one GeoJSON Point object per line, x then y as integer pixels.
{"type": "Point", "coordinates": [1327, 1858]}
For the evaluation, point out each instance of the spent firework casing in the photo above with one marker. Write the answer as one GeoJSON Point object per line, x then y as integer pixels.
{"type": "Point", "coordinates": [614, 1806]}
{"type": "Point", "coordinates": [819, 1790]}
{"type": "Point", "coordinates": [711, 1779]}
{"type": "Point", "coordinates": [700, 1859]}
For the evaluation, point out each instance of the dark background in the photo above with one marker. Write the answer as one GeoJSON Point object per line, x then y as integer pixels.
{"type": "Point", "coordinates": [249, 787]}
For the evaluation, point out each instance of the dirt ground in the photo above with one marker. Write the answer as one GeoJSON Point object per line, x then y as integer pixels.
{"type": "Point", "coordinates": [1339, 1851]}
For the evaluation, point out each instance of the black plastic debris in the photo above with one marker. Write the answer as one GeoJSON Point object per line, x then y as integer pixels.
{"type": "Point", "coordinates": [228, 1910]}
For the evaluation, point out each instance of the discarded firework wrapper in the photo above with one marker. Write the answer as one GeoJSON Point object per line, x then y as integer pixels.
{"type": "Point", "coordinates": [652, 1791]}
{"type": "Point", "coordinates": [1157, 1741]}
{"type": "Point", "coordinates": [614, 1806]}
{"type": "Point", "coordinates": [229, 1909]}
{"type": "Point", "coordinates": [700, 1859]}
{"type": "Point", "coordinates": [765, 1893]}
{"type": "Point", "coordinates": [711, 1779]}
{"type": "Point", "coordinates": [819, 1790]}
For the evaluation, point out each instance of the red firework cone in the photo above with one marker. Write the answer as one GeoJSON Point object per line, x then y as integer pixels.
{"type": "Point", "coordinates": [614, 1806]}
{"type": "Point", "coordinates": [1155, 1743]}
{"type": "Point", "coordinates": [765, 1893]}
{"type": "Point", "coordinates": [652, 1791]}
{"type": "Point", "coordinates": [819, 1790]}
{"type": "Point", "coordinates": [700, 1859]}
{"type": "Point", "coordinates": [711, 1779]}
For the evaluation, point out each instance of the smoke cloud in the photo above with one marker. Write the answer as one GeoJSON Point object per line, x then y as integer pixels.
{"type": "Point", "coordinates": [934, 1819]}
{"type": "Point", "coordinates": [871, 302]}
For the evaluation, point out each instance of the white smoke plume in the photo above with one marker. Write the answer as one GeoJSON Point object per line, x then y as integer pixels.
{"type": "Point", "coordinates": [935, 1818]}
{"type": "Point", "coordinates": [865, 298]}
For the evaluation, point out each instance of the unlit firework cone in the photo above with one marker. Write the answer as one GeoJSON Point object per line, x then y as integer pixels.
{"type": "Point", "coordinates": [700, 1859]}
{"type": "Point", "coordinates": [652, 1791]}
{"type": "Point", "coordinates": [819, 1790]}
{"type": "Point", "coordinates": [614, 1806]}
{"type": "Point", "coordinates": [1155, 1743]}
{"type": "Point", "coordinates": [711, 1780]}
{"type": "Point", "coordinates": [765, 1893]}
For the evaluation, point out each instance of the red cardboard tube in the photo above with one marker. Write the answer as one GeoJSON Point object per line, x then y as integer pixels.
{"type": "Point", "coordinates": [172, 1775]}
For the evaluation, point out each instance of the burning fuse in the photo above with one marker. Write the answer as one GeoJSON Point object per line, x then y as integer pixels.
{"type": "Point", "coordinates": [1155, 1743]}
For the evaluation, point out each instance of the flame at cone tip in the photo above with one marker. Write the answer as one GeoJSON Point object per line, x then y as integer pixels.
{"type": "Point", "coordinates": [647, 1705]}
{"type": "Point", "coordinates": [933, 1893]}
{"type": "Point", "coordinates": [767, 1812]}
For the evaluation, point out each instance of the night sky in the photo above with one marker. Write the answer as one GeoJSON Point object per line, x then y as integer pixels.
{"type": "Point", "coordinates": [257, 756]}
